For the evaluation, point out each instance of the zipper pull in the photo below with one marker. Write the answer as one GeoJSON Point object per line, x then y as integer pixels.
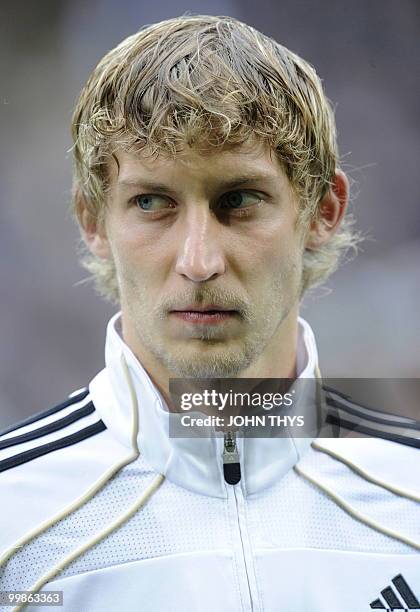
{"type": "Point", "coordinates": [231, 465]}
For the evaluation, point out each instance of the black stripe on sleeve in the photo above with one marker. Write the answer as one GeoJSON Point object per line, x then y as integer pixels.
{"type": "Point", "coordinates": [33, 453]}
{"type": "Point", "coordinates": [374, 433]}
{"type": "Point", "coordinates": [340, 393]}
{"type": "Point", "coordinates": [50, 427]}
{"type": "Point", "coordinates": [385, 419]}
{"type": "Point", "coordinates": [44, 413]}
{"type": "Point", "coordinates": [344, 401]}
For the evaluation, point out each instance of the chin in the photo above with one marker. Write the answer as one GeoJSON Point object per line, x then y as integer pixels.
{"type": "Point", "coordinates": [208, 362]}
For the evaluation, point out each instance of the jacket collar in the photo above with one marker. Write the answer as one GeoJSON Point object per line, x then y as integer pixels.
{"type": "Point", "coordinates": [134, 410]}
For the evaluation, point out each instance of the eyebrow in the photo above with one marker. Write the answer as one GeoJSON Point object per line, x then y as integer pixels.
{"type": "Point", "coordinates": [234, 182]}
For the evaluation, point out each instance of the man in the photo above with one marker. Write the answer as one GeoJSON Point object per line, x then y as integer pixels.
{"type": "Point", "coordinates": [209, 196]}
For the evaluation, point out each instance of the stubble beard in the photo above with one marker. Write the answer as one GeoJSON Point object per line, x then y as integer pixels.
{"type": "Point", "coordinates": [214, 358]}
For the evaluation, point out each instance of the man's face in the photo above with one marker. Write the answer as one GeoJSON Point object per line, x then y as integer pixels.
{"type": "Point", "coordinates": [215, 231]}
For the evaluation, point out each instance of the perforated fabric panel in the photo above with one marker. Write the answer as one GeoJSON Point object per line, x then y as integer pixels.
{"type": "Point", "coordinates": [292, 514]}
{"type": "Point", "coordinates": [42, 553]}
{"type": "Point", "coordinates": [297, 514]}
{"type": "Point", "coordinates": [384, 507]}
{"type": "Point", "coordinates": [173, 520]}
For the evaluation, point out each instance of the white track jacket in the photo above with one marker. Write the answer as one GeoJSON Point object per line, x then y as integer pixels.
{"type": "Point", "coordinates": [99, 502]}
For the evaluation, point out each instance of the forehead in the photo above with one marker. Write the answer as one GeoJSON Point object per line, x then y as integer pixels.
{"type": "Point", "coordinates": [251, 160]}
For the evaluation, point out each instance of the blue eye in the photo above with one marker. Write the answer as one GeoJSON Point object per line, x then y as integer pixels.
{"type": "Point", "coordinates": [239, 199]}
{"type": "Point", "coordinates": [151, 202]}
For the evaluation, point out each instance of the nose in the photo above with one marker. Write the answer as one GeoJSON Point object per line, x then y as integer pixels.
{"type": "Point", "coordinates": [200, 255]}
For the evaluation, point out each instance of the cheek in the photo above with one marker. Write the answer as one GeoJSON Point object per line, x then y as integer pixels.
{"type": "Point", "coordinates": [132, 249]}
{"type": "Point", "coordinates": [272, 252]}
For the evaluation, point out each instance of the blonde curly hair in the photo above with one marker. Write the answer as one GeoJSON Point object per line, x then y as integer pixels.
{"type": "Point", "coordinates": [206, 81]}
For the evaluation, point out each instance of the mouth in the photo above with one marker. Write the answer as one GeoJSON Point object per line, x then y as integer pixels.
{"type": "Point", "coordinates": [209, 315]}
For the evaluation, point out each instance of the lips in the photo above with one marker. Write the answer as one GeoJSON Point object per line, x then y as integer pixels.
{"type": "Point", "coordinates": [211, 314]}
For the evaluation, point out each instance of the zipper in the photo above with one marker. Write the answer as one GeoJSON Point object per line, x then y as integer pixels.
{"type": "Point", "coordinates": [232, 474]}
{"type": "Point", "coordinates": [231, 465]}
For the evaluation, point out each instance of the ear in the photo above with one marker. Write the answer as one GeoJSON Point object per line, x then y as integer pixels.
{"type": "Point", "coordinates": [331, 211]}
{"type": "Point", "coordinates": [93, 232]}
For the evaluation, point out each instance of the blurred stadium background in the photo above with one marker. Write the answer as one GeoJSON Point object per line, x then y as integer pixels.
{"type": "Point", "coordinates": [367, 318]}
